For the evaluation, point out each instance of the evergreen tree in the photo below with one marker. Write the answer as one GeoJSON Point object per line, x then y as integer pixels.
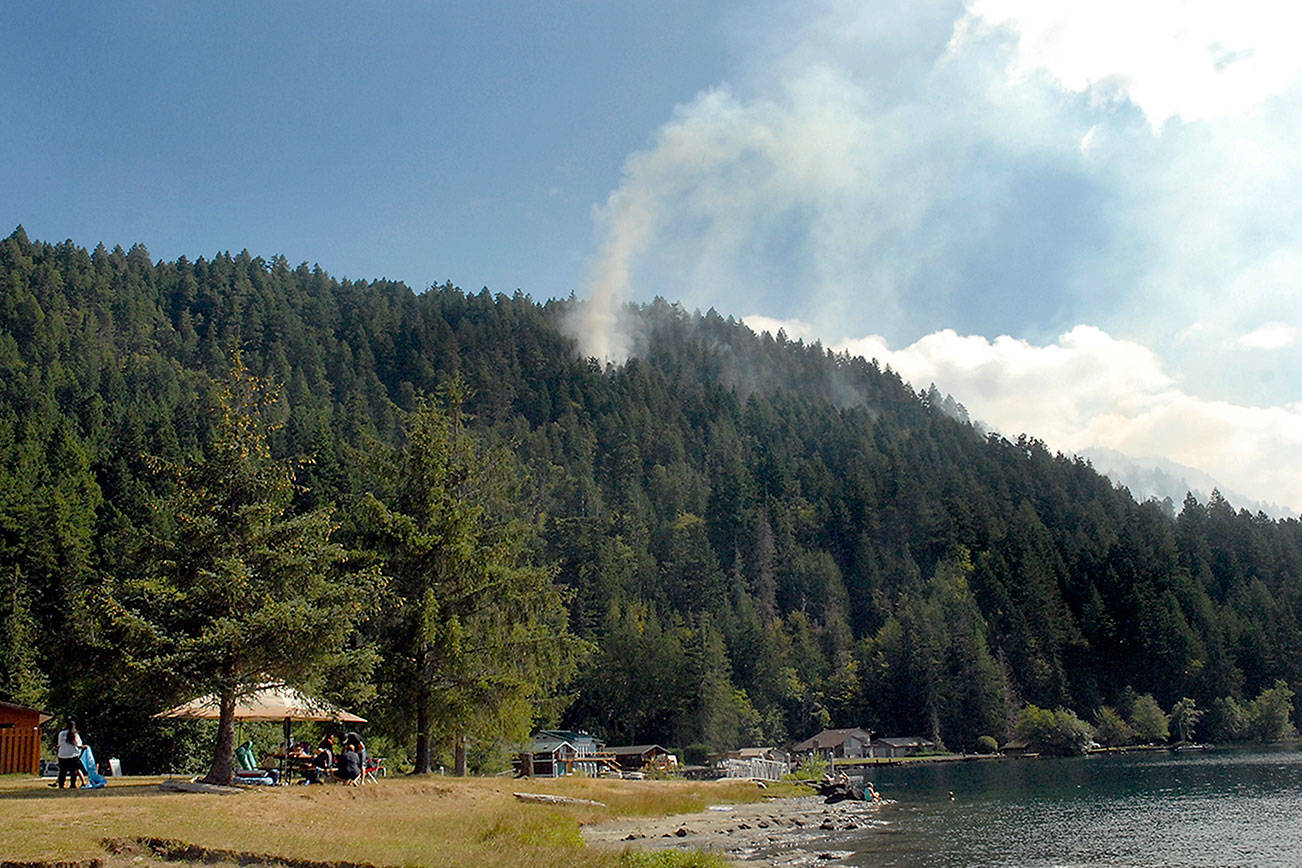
{"type": "Point", "coordinates": [475, 637]}
{"type": "Point", "coordinates": [241, 590]}
{"type": "Point", "coordinates": [21, 678]}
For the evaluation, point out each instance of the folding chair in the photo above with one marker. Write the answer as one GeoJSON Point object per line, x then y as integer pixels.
{"type": "Point", "coordinates": [369, 768]}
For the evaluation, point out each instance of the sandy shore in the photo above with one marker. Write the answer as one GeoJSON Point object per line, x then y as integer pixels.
{"type": "Point", "coordinates": [792, 831]}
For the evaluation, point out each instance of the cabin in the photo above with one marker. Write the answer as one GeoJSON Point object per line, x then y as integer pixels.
{"type": "Point", "coordinates": [837, 744]}
{"type": "Point", "coordinates": [1017, 748]}
{"type": "Point", "coordinates": [644, 757]}
{"type": "Point", "coordinates": [20, 739]}
{"type": "Point", "coordinates": [903, 746]}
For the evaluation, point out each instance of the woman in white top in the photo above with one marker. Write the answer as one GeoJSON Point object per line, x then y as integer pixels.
{"type": "Point", "coordinates": [70, 745]}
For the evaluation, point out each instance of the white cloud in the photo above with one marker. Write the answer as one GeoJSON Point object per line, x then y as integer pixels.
{"type": "Point", "coordinates": [796, 330]}
{"type": "Point", "coordinates": [1274, 336]}
{"type": "Point", "coordinates": [1192, 59]}
{"type": "Point", "coordinates": [1089, 389]}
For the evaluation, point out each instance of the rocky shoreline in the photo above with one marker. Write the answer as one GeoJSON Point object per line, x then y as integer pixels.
{"type": "Point", "coordinates": [786, 831]}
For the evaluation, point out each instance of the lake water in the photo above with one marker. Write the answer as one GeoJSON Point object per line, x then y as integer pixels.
{"type": "Point", "coordinates": [1212, 808]}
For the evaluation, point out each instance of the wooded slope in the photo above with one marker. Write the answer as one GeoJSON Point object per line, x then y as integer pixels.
{"type": "Point", "coordinates": [760, 537]}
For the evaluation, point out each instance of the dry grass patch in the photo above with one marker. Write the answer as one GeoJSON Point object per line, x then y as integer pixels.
{"type": "Point", "coordinates": [399, 821]}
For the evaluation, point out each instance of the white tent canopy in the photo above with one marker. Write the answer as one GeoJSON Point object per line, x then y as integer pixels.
{"type": "Point", "coordinates": [269, 702]}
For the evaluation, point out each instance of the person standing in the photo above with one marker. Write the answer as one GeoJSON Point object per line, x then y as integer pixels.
{"type": "Point", "coordinates": [70, 746]}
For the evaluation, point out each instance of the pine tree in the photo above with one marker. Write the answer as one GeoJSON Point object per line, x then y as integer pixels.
{"type": "Point", "coordinates": [21, 678]}
{"type": "Point", "coordinates": [475, 637]}
{"type": "Point", "coordinates": [241, 591]}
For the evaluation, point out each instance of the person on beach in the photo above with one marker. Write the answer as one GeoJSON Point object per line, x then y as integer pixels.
{"type": "Point", "coordinates": [70, 745]}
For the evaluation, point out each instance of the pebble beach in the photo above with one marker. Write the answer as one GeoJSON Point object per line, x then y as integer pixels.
{"type": "Point", "coordinates": [785, 831]}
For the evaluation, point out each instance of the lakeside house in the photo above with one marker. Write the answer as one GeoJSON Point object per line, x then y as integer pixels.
{"type": "Point", "coordinates": [901, 746]}
{"type": "Point", "coordinates": [850, 743]}
{"type": "Point", "coordinates": [555, 753]}
{"type": "Point", "coordinates": [1017, 748]}
{"type": "Point", "coordinates": [20, 738]}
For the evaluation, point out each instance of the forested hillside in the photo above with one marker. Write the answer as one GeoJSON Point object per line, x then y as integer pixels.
{"type": "Point", "coordinates": [757, 537]}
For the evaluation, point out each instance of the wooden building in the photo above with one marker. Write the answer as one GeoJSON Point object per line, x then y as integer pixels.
{"type": "Point", "coordinates": [901, 746]}
{"type": "Point", "coordinates": [20, 739]}
{"type": "Point", "coordinates": [643, 757]}
{"type": "Point", "coordinates": [554, 753]}
{"type": "Point", "coordinates": [837, 744]}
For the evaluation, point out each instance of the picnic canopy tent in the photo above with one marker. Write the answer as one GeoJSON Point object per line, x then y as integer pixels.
{"type": "Point", "coordinates": [269, 702]}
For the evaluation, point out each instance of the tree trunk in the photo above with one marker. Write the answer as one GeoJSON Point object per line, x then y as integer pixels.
{"type": "Point", "coordinates": [461, 756]}
{"type": "Point", "coordinates": [223, 760]}
{"type": "Point", "coordinates": [422, 731]}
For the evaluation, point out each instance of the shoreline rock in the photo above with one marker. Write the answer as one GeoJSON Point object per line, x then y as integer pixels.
{"type": "Point", "coordinates": [786, 832]}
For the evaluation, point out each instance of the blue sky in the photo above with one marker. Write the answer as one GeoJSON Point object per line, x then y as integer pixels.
{"type": "Point", "coordinates": [417, 141]}
{"type": "Point", "coordinates": [1080, 218]}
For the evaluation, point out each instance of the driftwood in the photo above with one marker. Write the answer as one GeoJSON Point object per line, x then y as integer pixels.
{"type": "Point", "coordinates": [546, 799]}
{"type": "Point", "coordinates": [196, 787]}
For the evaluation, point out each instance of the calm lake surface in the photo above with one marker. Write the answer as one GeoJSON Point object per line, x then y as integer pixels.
{"type": "Point", "coordinates": [1221, 807]}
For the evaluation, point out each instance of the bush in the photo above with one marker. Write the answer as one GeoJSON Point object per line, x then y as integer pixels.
{"type": "Point", "coordinates": [986, 744]}
{"type": "Point", "coordinates": [1058, 732]}
{"type": "Point", "coordinates": [811, 769]}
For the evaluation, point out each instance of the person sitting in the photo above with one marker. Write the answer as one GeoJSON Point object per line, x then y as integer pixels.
{"type": "Point", "coordinates": [350, 764]}
{"type": "Point", "coordinates": [321, 763]}
{"type": "Point", "coordinates": [355, 740]}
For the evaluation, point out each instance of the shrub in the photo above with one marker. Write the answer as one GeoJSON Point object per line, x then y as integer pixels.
{"type": "Point", "coordinates": [1058, 732]}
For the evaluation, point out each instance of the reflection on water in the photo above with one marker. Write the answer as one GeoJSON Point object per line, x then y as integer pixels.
{"type": "Point", "coordinates": [1225, 807]}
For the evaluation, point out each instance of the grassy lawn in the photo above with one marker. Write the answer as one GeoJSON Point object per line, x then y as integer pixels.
{"type": "Point", "coordinates": [399, 821]}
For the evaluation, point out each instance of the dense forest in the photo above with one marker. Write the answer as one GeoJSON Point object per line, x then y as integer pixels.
{"type": "Point", "coordinates": [753, 538]}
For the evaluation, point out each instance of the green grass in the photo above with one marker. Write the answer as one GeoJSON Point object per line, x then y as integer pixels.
{"type": "Point", "coordinates": [672, 859]}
